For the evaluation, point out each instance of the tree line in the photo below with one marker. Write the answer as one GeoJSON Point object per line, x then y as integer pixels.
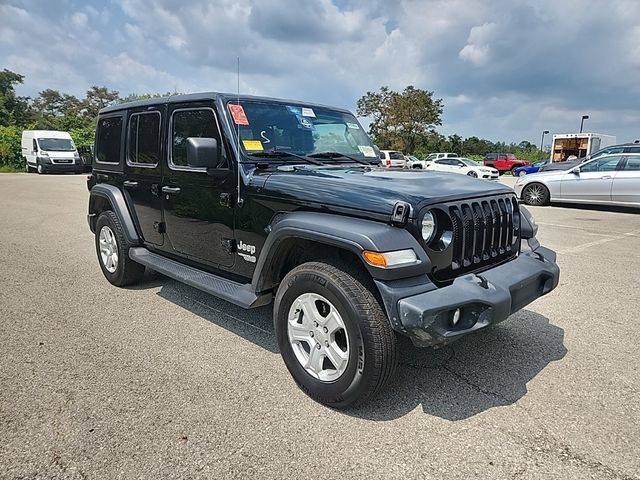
{"type": "Point", "coordinates": [404, 121]}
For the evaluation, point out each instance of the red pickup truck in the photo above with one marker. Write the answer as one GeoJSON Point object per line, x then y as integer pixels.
{"type": "Point", "coordinates": [503, 162]}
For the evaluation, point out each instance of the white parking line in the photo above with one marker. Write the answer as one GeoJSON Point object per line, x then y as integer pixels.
{"type": "Point", "coordinates": [584, 246]}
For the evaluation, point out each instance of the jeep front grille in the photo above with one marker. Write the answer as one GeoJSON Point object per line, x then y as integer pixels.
{"type": "Point", "coordinates": [485, 232]}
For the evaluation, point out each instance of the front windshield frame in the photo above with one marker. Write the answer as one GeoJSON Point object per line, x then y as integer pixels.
{"type": "Point", "coordinates": [48, 144]}
{"type": "Point", "coordinates": [296, 128]}
{"type": "Point", "coordinates": [469, 163]}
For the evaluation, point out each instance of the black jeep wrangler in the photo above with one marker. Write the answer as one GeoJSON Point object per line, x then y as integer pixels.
{"type": "Point", "coordinates": [257, 200]}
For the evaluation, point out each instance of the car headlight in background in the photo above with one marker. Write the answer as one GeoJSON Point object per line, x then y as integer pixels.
{"type": "Point", "coordinates": [428, 227]}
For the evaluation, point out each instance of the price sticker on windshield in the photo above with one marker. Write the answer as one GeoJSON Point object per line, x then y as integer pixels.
{"type": "Point", "coordinates": [367, 151]}
{"type": "Point", "coordinates": [237, 112]}
{"type": "Point", "coordinates": [253, 145]}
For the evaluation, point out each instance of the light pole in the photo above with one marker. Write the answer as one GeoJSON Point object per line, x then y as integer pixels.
{"type": "Point", "coordinates": [544, 132]}
{"type": "Point", "coordinates": [584, 117]}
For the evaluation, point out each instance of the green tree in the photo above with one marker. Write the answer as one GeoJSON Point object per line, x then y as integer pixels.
{"type": "Point", "coordinates": [14, 110]}
{"type": "Point", "coordinates": [401, 120]}
{"type": "Point", "coordinates": [96, 99]}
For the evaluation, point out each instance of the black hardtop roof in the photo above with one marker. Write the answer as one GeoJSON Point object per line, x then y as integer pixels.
{"type": "Point", "coordinates": [195, 97]}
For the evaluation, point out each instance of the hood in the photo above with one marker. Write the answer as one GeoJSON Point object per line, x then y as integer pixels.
{"type": "Point", "coordinates": [373, 189]}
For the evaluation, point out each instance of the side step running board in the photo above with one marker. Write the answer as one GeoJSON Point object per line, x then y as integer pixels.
{"type": "Point", "coordinates": [236, 293]}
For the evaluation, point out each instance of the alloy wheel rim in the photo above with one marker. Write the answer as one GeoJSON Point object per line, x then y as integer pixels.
{"type": "Point", "coordinates": [108, 249]}
{"type": "Point", "coordinates": [318, 337]}
{"type": "Point", "coordinates": [535, 194]}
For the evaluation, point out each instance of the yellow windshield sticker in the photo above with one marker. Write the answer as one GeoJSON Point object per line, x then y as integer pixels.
{"type": "Point", "coordinates": [252, 145]}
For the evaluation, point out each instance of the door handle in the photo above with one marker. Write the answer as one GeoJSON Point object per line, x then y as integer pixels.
{"type": "Point", "coordinates": [129, 184]}
{"type": "Point", "coordinates": [606, 177]}
{"type": "Point", "coordinates": [171, 190]}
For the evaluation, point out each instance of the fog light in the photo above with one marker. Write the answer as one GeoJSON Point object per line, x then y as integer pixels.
{"type": "Point", "coordinates": [456, 317]}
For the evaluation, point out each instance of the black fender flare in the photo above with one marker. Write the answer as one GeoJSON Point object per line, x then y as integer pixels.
{"type": "Point", "coordinates": [118, 204]}
{"type": "Point", "coordinates": [348, 233]}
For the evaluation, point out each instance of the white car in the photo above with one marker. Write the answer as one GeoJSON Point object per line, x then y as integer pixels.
{"type": "Point", "coordinates": [430, 158]}
{"type": "Point", "coordinates": [608, 180]}
{"type": "Point", "coordinates": [464, 166]}
{"type": "Point", "coordinates": [392, 158]}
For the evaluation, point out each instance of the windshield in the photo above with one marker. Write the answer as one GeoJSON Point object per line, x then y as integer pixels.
{"type": "Point", "coordinates": [56, 144]}
{"type": "Point", "coordinates": [269, 126]}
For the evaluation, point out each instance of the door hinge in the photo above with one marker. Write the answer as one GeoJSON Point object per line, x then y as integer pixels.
{"type": "Point", "coordinates": [229, 244]}
{"type": "Point", "coordinates": [160, 227]}
{"type": "Point", "coordinates": [226, 199]}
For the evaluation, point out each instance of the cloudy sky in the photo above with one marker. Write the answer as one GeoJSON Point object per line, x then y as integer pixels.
{"type": "Point", "coordinates": [506, 69]}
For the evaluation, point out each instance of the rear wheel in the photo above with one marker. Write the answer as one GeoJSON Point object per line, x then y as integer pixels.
{"type": "Point", "coordinates": [112, 249]}
{"type": "Point", "coordinates": [333, 335]}
{"type": "Point", "coordinates": [535, 194]}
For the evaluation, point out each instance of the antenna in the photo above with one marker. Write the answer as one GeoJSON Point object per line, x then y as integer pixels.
{"type": "Point", "coordinates": [239, 200]}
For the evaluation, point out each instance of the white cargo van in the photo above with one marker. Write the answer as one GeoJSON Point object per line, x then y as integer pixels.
{"type": "Point", "coordinates": [50, 151]}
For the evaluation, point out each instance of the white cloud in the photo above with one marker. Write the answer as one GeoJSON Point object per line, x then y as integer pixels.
{"type": "Point", "coordinates": [477, 50]}
{"type": "Point", "coordinates": [79, 19]}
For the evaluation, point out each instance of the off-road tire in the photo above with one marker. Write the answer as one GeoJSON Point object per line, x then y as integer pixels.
{"type": "Point", "coordinates": [541, 199]}
{"type": "Point", "coordinates": [127, 271]}
{"type": "Point", "coordinates": [372, 341]}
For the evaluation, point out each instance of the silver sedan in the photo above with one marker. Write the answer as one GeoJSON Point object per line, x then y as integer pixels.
{"type": "Point", "coordinates": [608, 180]}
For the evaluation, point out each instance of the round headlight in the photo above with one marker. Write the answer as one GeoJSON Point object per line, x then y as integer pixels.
{"type": "Point", "coordinates": [428, 227]}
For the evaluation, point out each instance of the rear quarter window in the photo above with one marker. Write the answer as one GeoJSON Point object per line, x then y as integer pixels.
{"type": "Point", "coordinates": [109, 140]}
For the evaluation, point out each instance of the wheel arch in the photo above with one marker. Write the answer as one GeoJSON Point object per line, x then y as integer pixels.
{"type": "Point", "coordinates": [104, 197]}
{"type": "Point", "coordinates": [305, 236]}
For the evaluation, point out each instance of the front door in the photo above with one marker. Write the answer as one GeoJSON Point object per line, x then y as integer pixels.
{"type": "Point", "coordinates": [196, 203]}
{"type": "Point", "coordinates": [626, 183]}
{"type": "Point", "coordinates": [592, 183]}
{"type": "Point", "coordinates": [144, 172]}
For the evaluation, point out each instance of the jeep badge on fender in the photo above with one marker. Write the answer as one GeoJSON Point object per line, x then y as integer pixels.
{"type": "Point", "coordinates": [260, 200]}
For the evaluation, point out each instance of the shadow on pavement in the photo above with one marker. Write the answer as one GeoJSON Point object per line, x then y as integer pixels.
{"type": "Point", "coordinates": [479, 372]}
{"type": "Point", "coordinates": [474, 374]}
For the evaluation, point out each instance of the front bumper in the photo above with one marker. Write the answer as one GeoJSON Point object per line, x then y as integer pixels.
{"type": "Point", "coordinates": [49, 166]}
{"type": "Point", "coordinates": [480, 299]}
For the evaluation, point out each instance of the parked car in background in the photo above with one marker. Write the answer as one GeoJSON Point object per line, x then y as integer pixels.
{"type": "Point", "coordinates": [464, 166]}
{"type": "Point", "coordinates": [412, 160]}
{"type": "Point", "coordinates": [608, 179]}
{"type": "Point", "coordinates": [86, 157]}
{"type": "Point", "coordinates": [50, 151]}
{"type": "Point", "coordinates": [622, 148]}
{"type": "Point", "coordinates": [430, 158]}
{"type": "Point", "coordinates": [392, 158]}
{"type": "Point", "coordinates": [503, 162]}
{"type": "Point", "coordinates": [522, 171]}
{"type": "Point", "coordinates": [558, 166]}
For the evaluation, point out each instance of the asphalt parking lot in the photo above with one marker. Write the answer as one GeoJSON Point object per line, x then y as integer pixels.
{"type": "Point", "coordinates": [162, 381]}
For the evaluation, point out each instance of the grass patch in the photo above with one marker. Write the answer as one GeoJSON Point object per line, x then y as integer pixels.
{"type": "Point", "coordinates": [11, 169]}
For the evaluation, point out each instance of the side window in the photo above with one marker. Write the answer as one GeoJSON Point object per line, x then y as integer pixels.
{"type": "Point", "coordinates": [633, 164]}
{"type": "Point", "coordinates": [196, 122]}
{"type": "Point", "coordinates": [490, 156]}
{"type": "Point", "coordinates": [144, 139]}
{"type": "Point", "coordinates": [109, 140]}
{"type": "Point", "coordinates": [35, 145]}
{"type": "Point", "coordinates": [608, 164]}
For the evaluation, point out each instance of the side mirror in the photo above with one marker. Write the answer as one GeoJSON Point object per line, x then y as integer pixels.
{"type": "Point", "coordinates": [575, 171]}
{"type": "Point", "coordinates": [203, 152]}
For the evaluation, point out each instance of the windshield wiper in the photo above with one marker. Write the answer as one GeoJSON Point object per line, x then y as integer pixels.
{"type": "Point", "coordinates": [283, 154]}
{"type": "Point", "coordinates": [338, 155]}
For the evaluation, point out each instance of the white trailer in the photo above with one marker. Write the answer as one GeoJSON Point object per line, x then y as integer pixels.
{"type": "Point", "coordinates": [579, 144]}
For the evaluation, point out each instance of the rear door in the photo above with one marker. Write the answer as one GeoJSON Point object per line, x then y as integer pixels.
{"type": "Point", "coordinates": [144, 171]}
{"type": "Point", "coordinates": [626, 183]}
{"type": "Point", "coordinates": [593, 183]}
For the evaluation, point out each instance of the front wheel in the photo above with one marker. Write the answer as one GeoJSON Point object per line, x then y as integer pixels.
{"type": "Point", "coordinates": [535, 194]}
{"type": "Point", "coordinates": [522, 173]}
{"type": "Point", "coordinates": [40, 168]}
{"type": "Point", "coordinates": [334, 337]}
{"type": "Point", "coordinates": [472, 174]}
